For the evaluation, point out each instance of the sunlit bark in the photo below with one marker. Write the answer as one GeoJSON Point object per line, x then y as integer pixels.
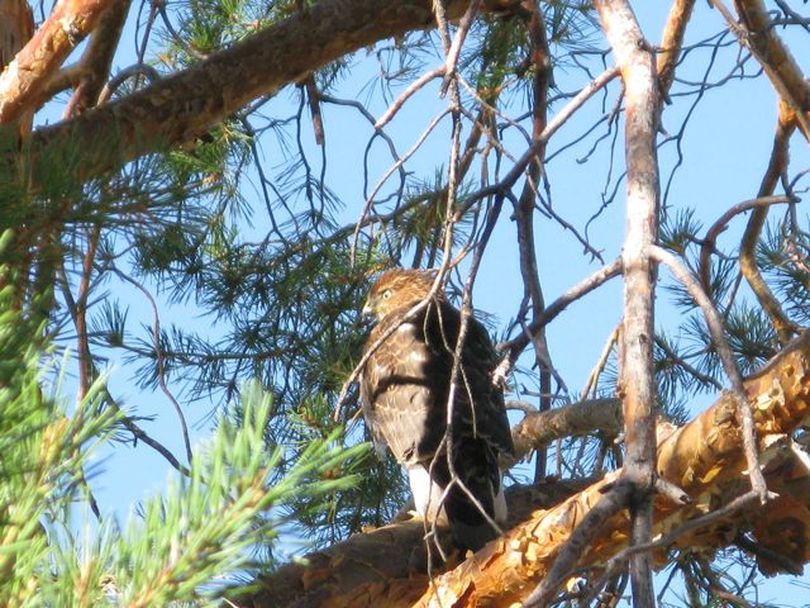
{"type": "Point", "coordinates": [705, 458]}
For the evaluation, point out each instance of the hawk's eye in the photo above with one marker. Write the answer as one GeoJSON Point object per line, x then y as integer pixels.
{"type": "Point", "coordinates": [386, 294]}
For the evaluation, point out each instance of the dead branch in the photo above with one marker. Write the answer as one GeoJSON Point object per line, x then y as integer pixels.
{"type": "Point", "coordinates": [538, 429]}
{"type": "Point", "coordinates": [643, 105]}
{"type": "Point", "coordinates": [777, 165]}
{"type": "Point", "coordinates": [708, 242]}
{"type": "Point", "coordinates": [524, 211]}
{"type": "Point", "coordinates": [715, 325]}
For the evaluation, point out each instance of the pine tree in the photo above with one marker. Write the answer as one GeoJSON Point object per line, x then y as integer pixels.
{"type": "Point", "coordinates": [255, 164]}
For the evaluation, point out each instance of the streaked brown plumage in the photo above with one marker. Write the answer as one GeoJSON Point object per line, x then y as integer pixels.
{"type": "Point", "coordinates": [404, 389]}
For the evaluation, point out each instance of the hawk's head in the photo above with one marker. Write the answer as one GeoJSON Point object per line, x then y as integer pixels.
{"type": "Point", "coordinates": [396, 289]}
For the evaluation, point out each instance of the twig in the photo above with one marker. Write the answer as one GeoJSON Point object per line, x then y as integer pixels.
{"type": "Point", "coordinates": [593, 379]}
{"type": "Point", "coordinates": [141, 435]}
{"type": "Point", "coordinates": [705, 378]}
{"type": "Point", "coordinates": [138, 69]}
{"type": "Point", "coordinates": [451, 60]}
{"type": "Point", "coordinates": [552, 127]}
{"type": "Point", "coordinates": [707, 246]}
{"type": "Point", "coordinates": [515, 346]}
{"type": "Point", "coordinates": [409, 91]}
{"type": "Point", "coordinates": [735, 505]}
{"type": "Point", "coordinates": [161, 377]}
{"type": "Point", "coordinates": [370, 200]}
{"type": "Point", "coordinates": [137, 432]}
{"type": "Point", "coordinates": [715, 326]}
{"type": "Point", "coordinates": [313, 99]}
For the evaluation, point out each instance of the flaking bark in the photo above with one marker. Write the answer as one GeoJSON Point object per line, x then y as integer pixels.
{"type": "Point", "coordinates": [704, 458]}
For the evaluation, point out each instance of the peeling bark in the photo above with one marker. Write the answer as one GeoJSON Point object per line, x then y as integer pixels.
{"type": "Point", "coordinates": [24, 79]}
{"type": "Point", "coordinates": [705, 458]}
{"type": "Point", "coordinates": [16, 29]}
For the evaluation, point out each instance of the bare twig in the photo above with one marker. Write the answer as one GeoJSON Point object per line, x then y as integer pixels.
{"type": "Point", "coordinates": [160, 362]}
{"type": "Point", "coordinates": [552, 127]}
{"type": "Point", "coordinates": [593, 378]}
{"type": "Point", "coordinates": [409, 91]}
{"type": "Point", "coordinates": [707, 246]}
{"type": "Point", "coordinates": [715, 325]}
{"type": "Point", "coordinates": [401, 161]}
{"type": "Point", "coordinates": [451, 60]}
{"type": "Point", "coordinates": [138, 69]}
{"type": "Point", "coordinates": [515, 346]}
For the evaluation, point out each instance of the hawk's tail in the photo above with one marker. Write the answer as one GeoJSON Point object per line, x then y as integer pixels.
{"type": "Point", "coordinates": [476, 466]}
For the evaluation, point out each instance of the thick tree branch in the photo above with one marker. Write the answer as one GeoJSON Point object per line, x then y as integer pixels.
{"type": "Point", "coordinates": [704, 458]}
{"type": "Point", "coordinates": [780, 66]}
{"type": "Point", "coordinates": [672, 41]}
{"type": "Point", "coordinates": [24, 79]}
{"type": "Point", "coordinates": [184, 105]}
{"type": "Point", "coordinates": [538, 429]}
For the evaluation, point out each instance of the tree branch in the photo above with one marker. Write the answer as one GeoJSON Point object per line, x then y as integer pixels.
{"type": "Point", "coordinates": [777, 61]}
{"type": "Point", "coordinates": [642, 97]}
{"type": "Point", "coordinates": [704, 458]}
{"type": "Point", "coordinates": [23, 81]}
{"type": "Point", "coordinates": [538, 429]}
{"type": "Point", "coordinates": [183, 105]}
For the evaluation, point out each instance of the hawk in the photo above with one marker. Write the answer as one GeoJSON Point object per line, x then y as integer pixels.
{"type": "Point", "coordinates": [405, 389]}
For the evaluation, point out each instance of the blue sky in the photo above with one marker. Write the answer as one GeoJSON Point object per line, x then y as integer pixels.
{"type": "Point", "coordinates": [725, 151]}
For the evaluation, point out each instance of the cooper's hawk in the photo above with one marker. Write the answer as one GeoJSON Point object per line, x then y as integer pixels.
{"type": "Point", "coordinates": [404, 388]}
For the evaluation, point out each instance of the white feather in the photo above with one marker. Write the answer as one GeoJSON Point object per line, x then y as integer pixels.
{"type": "Point", "coordinates": [499, 505]}
{"type": "Point", "coordinates": [426, 493]}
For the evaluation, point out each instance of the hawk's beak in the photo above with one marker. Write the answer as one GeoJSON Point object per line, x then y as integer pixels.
{"type": "Point", "coordinates": [368, 311]}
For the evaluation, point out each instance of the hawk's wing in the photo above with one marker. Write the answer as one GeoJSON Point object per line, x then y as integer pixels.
{"type": "Point", "coordinates": [402, 388]}
{"type": "Point", "coordinates": [405, 384]}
